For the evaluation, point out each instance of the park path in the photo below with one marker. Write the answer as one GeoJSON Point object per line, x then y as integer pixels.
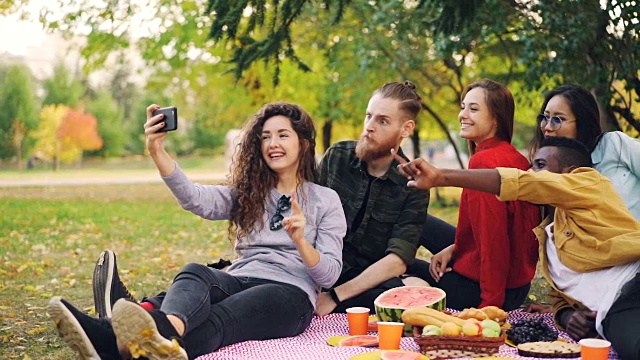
{"type": "Point", "coordinates": [89, 178]}
{"type": "Point", "coordinates": [102, 177]}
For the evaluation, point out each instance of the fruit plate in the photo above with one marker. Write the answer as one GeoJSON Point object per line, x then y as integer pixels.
{"type": "Point", "coordinates": [460, 346]}
{"type": "Point", "coordinates": [513, 345]}
{"type": "Point", "coordinates": [376, 355]}
{"type": "Point", "coordinates": [370, 340]}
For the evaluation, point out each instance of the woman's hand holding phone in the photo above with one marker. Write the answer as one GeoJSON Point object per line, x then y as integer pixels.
{"type": "Point", "coordinates": [155, 139]}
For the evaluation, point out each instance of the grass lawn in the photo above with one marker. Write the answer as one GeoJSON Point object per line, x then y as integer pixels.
{"type": "Point", "coordinates": [50, 238]}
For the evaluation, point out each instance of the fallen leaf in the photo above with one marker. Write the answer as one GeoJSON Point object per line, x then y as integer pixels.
{"type": "Point", "coordinates": [36, 331]}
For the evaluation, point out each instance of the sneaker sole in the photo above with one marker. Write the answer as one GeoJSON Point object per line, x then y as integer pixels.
{"type": "Point", "coordinates": [137, 330]}
{"type": "Point", "coordinates": [70, 330]}
{"type": "Point", "coordinates": [102, 282]}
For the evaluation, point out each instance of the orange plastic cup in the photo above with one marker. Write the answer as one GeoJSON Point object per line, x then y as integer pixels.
{"type": "Point", "coordinates": [358, 318]}
{"type": "Point", "coordinates": [594, 349]}
{"type": "Point", "coordinates": [390, 334]}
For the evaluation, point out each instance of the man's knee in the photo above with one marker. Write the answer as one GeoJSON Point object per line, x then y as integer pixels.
{"type": "Point", "coordinates": [414, 281]}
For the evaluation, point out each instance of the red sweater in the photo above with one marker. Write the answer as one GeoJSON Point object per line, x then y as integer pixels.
{"type": "Point", "coordinates": [495, 244]}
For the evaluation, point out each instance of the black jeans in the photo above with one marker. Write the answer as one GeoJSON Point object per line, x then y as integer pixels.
{"type": "Point", "coordinates": [462, 292]}
{"type": "Point", "coordinates": [437, 234]}
{"type": "Point", "coordinates": [367, 298]}
{"type": "Point", "coordinates": [621, 326]}
{"type": "Point", "coordinates": [219, 309]}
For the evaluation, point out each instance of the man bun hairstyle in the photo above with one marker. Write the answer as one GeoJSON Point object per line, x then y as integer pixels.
{"type": "Point", "coordinates": [405, 92]}
{"type": "Point", "coordinates": [570, 152]}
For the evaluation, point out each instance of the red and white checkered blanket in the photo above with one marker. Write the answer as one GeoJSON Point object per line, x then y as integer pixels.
{"type": "Point", "coordinates": [312, 344]}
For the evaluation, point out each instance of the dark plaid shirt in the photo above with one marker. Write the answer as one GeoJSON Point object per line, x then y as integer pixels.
{"type": "Point", "coordinates": [394, 214]}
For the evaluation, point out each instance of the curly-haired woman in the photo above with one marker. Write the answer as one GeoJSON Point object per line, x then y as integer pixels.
{"type": "Point", "coordinates": [288, 237]}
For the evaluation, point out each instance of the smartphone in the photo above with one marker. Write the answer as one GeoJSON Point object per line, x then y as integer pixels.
{"type": "Point", "coordinates": [170, 118]}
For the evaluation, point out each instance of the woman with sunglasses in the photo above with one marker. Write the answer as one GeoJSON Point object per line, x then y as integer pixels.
{"type": "Point", "coordinates": [571, 111]}
{"type": "Point", "coordinates": [287, 233]}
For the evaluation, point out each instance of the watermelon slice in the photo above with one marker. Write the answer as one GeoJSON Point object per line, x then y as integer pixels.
{"type": "Point", "coordinates": [399, 355]}
{"type": "Point", "coordinates": [392, 303]}
{"type": "Point", "coordinates": [372, 326]}
{"type": "Point", "coordinates": [359, 340]}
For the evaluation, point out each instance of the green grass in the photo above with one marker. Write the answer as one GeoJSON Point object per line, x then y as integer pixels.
{"type": "Point", "coordinates": [50, 238]}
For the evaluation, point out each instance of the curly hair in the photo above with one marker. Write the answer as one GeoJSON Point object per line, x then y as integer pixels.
{"type": "Point", "coordinates": [252, 179]}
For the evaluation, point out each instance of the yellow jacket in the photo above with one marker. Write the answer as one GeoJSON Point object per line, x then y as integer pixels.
{"type": "Point", "coordinates": [593, 229]}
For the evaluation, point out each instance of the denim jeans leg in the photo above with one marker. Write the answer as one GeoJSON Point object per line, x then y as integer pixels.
{"type": "Point", "coordinates": [264, 310]}
{"type": "Point", "coordinates": [194, 290]}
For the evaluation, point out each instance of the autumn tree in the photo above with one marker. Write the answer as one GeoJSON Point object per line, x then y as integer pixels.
{"type": "Point", "coordinates": [47, 144]}
{"type": "Point", "coordinates": [64, 133]}
{"type": "Point", "coordinates": [77, 132]}
{"type": "Point", "coordinates": [18, 115]}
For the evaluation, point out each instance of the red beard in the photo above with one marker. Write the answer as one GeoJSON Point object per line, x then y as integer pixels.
{"type": "Point", "coordinates": [369, 150]}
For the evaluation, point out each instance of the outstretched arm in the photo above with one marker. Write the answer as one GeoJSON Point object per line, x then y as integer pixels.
{"type": "Point", "coordinates": [154, 141]}
{"type": "Point", "coordinates": [423, 175]}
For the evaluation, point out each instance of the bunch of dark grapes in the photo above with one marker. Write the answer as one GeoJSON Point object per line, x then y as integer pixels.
{"type": "Point", "coordinates": [531, 330]}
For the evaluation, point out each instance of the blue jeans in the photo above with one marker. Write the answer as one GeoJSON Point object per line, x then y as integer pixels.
{"type": "Point", "coordinates": [219, 309]}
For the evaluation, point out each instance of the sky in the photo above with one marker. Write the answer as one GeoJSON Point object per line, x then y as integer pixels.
{"type": "Point", "coordinates": [18, 35]}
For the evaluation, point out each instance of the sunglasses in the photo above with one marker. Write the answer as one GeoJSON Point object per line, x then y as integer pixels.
{"type": "Point", "coordinates": [554, 122]}
{"type": "Point", "coordinates": [284, 204]}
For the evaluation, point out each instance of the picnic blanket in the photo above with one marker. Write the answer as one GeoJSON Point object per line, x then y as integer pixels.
{"type": "Point", "coordinates": [312, 344]}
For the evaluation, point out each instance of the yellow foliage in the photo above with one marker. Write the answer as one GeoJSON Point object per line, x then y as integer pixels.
{"type": "Point", "coordinates": [64, 133]}
{"type": "Point", "coordinates": [45, 134]}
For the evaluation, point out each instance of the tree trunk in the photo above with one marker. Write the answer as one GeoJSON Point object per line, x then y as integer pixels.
{"type": "Point", "coordinates": [446, 131]}
{"type": "Point", "coordinates": [56, 160]}
{"type": "Point", "coordinates": [19, 154]}
{"type": "Point", "coordinates": [326, 135]}
{"type": "Point", "coordinates": [415, 139]}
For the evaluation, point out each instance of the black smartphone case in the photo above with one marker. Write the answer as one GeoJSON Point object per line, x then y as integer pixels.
{"type": "Point", "coordinates": [170, 118]}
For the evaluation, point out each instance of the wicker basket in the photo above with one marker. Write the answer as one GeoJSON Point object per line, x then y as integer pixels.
{"type": "Point", "coordinates": [447, 347]}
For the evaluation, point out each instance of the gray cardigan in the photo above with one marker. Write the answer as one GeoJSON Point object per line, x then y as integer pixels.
{"type": "Point", "coordinates": [270, 254]}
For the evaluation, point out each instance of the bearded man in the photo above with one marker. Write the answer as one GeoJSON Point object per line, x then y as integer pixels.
{"type": "Point", "coordinates": [384, 217]}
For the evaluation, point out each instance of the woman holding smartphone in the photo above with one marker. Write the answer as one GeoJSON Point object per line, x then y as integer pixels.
{"type": "Point", "coordinates": [288, 236]}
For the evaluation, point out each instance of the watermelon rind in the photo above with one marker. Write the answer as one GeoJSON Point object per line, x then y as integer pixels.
{"type": "Point", "coordinates": [394, 313]}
